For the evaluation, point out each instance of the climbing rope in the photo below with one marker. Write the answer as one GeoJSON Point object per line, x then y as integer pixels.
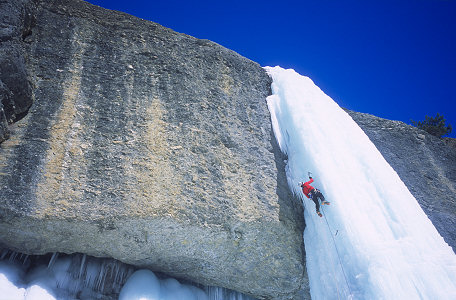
{"type": "Point", "coordinates": [337, 252]}
{"type": "Point", "coordinates": [333, 271]}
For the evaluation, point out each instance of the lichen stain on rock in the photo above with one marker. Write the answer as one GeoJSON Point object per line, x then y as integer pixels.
{"type": "Point", "coordinates": [227, 81]}
{"type": "Point", "coordinates": [238, 185]}
{"type": "Point", "coordinates": [56, 192]}
{"type": "Point", "coordinates": [156, 187]}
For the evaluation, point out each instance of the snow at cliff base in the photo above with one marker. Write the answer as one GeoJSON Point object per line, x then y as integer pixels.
{"type": "Point", "coordinates": [374, 241]}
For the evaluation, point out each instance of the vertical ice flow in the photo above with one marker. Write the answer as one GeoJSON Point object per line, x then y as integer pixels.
{"type": "Point", "coordinates": [374, 241]}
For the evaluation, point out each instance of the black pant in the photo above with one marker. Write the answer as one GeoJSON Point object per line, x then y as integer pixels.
{"type": "Point", "coordinates": [314, 195]}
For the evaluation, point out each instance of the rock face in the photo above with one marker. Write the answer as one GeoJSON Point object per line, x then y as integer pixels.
{"type": "Point", "coordinates": [144, 145]}
{"type": "Point", "coordinates": [16, 19]}
{"type": "Point", "coordinates": [425, 163]}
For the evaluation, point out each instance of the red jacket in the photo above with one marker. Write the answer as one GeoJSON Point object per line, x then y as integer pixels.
{"type": "Point", "coordinates": [307, 188]}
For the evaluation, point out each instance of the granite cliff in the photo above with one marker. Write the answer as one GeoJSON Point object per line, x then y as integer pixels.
{"type": "Point", "coordinates": [145, 145]}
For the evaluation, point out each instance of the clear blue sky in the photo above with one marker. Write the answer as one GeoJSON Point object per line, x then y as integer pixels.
{"type": "Point", "coordinates": [393, 59]}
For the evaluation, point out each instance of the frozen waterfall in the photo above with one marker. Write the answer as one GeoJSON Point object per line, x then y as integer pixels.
{"type": "Point", "coordinates": [374, 241]}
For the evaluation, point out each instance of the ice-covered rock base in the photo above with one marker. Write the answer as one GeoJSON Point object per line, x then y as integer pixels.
{"type": "Point", "coordinates": [54, 277]}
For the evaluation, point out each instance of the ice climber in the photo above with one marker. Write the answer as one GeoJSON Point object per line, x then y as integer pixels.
{"type": "Point", "coordinates": [313, 193]}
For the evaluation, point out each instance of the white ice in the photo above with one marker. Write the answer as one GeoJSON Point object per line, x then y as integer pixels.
{"type": "Point", "coordinates": [12, 288]}
{"type": "Point", "coordinates": [144, 285]}
{"type": "Point", "coordinates": [374, 240]}
{"type": "Point", "coordinates": [56, 281]}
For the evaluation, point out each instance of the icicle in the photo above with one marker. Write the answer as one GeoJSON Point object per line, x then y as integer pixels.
{"type": "Point", "coordinates": [4, 254]}
{"type": "Point", "coordinates": [92, 273]}
{"type": "Point", "coordinates": [53, 258]}
{"type": "Point", "coordinates": [102, 277]}
{"type": "Point", "coordinates": [81, 269]}
{"type": "Point", "coordinates": [219, 293]}
{"type": "Point", "coordinates": [117, 272]}
{"type": "Point", "coordinates": [13, 256]}
{"type": "Point", "coordinates": [121, 272]}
